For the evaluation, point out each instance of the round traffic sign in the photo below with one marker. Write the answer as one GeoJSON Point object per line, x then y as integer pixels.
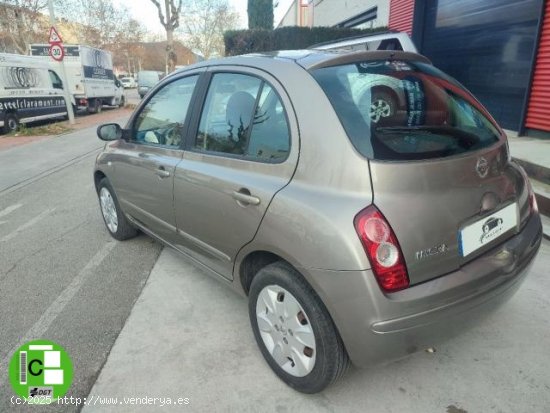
{"type": "Point", "coordinates": [57, 52]}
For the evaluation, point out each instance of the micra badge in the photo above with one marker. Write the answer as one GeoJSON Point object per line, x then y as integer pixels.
{"type": "Point", "coordinates": [482, 167]}
{"type": "Point", "coordinates": [430, 252]}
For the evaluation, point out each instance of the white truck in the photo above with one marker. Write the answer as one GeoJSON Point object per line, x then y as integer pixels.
{"type": "Point", "coordinates": [29, 91]}
{"type": "Point", "coordinates": [90, 77]}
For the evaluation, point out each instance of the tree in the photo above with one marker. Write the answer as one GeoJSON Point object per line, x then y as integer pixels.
{"type": "Point", "coordinates": [98, 23]}
{"type": "Point", "coordinates": [260, 14]}
{"type": "Point", "coordinates": [203, 25]}
{"type": "Point", "coordinates": [104, 25]}
{"type": "Point", "coordinates": [170, 20]}
{"type": "Point", "coordinates": [21, 23]}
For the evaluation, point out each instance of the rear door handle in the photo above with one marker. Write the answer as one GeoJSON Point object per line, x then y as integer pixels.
{"type": "Point", "coordinates": [243, 196]}
{"type": "Point", "coordinates": [162, 173]}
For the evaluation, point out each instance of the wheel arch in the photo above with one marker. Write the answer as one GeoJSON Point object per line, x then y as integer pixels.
{"type": "Point", "coordinates": [98, 176]}
{"type": "Point", "coordinates": [252, 263]}
{"type": "Point", "coordinates": [255, 260]}
{"type": "Point", "coordinates": [390, 91]}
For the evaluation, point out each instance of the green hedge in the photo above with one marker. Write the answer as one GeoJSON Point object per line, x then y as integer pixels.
{"type": "Point", "coordinates": [286, 38]}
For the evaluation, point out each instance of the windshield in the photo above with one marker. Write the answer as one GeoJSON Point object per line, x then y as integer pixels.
{"type": "Point", "coordinates": [397, 110]}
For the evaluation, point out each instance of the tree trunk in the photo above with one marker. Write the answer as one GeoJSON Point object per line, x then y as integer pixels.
{"type": "Point", "coordinates": [170, 52]}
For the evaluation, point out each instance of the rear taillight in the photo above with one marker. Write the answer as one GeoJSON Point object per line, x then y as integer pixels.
{"type": "Point", "coordinates": [382, 249]}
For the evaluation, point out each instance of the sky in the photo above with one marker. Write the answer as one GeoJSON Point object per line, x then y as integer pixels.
{"type": "Point", "coordinates": [146, 12]}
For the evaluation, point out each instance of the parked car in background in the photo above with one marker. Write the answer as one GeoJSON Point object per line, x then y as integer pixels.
{"type": "Point", "coordinates": [356, 233]}
{"type": "Point", "coordinates": [146, 80]}
{"type": "Point", "coordinates": [381, 41]}
{"type": "Point", "coordinates": [128, 82]}
{"type": "Point", "coordinates": [29, 91]}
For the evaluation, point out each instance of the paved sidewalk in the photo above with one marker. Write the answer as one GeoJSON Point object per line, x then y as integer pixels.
{"type": "Point", "coordinates": [188, 336]}
{"type": "Point", "coordinates": [535, 151]}
{"type": "Point", "coordinates": [534, 156]}
{"type": "Point", "coordinates": [81, 122]}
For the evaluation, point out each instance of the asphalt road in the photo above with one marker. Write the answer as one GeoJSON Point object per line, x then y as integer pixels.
{"type": "Point", "coordinates": [62, 277]}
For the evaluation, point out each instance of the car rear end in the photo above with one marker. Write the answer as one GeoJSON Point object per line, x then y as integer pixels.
{"type": "Point", "coordinates": [453, 227]}
{"type": "Point", "coordinates": [146, 80]}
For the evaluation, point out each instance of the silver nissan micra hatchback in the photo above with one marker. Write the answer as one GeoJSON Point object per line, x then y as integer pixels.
{"type": "Point", "coordinates": [366, 203]}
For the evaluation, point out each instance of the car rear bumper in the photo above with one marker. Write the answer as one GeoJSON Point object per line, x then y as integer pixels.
{"type": "Point", "coordinates": [378, 327]}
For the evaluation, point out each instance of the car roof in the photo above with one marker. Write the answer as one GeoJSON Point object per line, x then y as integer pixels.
{"type": "Point", "coordinates": [311, 59]}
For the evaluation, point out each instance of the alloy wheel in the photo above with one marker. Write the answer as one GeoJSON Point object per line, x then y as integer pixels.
{"type": "Point", "coordinates": [379, 108]}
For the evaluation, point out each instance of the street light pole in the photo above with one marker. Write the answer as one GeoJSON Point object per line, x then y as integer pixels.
{"type": "Point", "coordinates": [68, 102]}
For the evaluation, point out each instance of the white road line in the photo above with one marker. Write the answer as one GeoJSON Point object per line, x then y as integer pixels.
{"type": "Point", "coordinates": [9, 210]}
{"type": "Point", "coordinates": [51, 313]}
{"type": "Point", "coordinates": [26, 225]}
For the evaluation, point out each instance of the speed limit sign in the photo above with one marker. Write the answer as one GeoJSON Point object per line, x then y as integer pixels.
{"type": "Point", "coordinates": [57, 52]}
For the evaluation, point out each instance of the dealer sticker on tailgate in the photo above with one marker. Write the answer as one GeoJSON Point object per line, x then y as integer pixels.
{"type": "Point", "coordinates": [482, 232]}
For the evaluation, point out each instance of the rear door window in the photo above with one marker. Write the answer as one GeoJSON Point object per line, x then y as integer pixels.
{"type": "Point", "coordinates": [243, 117]}
{"type": "Point", "coordinates": [397, 110]}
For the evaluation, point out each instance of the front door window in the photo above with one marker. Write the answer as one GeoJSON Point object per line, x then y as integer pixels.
{"type": "Point", "coordinates": [162, 120]}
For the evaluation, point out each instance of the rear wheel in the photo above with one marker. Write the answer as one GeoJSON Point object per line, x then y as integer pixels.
{"type": "Point", "coordinates": [11, 123]}
{"type": "Point", "coordinates": [115, 220]}
{"type": "Point", "coordinates": [95, 106]}
{"type": "Point", "coordinates": [294, 331]}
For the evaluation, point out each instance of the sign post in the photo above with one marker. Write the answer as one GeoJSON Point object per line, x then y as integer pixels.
{"type": "Point", "coordinates": [57, 53]}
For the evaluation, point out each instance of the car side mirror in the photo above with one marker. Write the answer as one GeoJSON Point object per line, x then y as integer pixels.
{"type": "Point", "coordinates": [109, 132]}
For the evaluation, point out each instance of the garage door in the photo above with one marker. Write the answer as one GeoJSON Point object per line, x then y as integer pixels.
{"type": "Point", "coordinates": [538, 114]}
{"type": "Point", "coordinates": [487, 46]}
{"type": "Point", "coordinates": [401, 15]}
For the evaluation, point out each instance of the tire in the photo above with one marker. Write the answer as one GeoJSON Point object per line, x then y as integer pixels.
{"type": "Point", "coordinates": [324, 355]}
{"type": "Point", "coordinates": [11, 123]}
{"type": "Point", "coordinates": [382, 105]}
{"type": "Point", "coordinates": [122, 102]}
{"type": "Point", "coordinates": [122, 230]}
{"type": "Point", "coordinates": [95, 106]}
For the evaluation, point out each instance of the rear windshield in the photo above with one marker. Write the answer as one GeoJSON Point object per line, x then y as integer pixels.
{"type": "Point", "coordinates": [396, 110]}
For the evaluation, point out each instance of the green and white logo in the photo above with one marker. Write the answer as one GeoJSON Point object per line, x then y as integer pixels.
{"type": "Point", "coordinates": [41, 370]}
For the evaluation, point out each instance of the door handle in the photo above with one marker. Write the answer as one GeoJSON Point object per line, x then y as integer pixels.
{"type": "Point", "coordinates": [162, 173]}
{"type": "Point", "coordinates": [243, 196]}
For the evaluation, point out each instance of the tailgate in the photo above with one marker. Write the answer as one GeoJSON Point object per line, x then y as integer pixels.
{"type": "Point", "coordinates": [446, 212]}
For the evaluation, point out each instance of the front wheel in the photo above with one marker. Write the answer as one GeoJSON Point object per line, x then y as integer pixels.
{"type": "Point", "coordinates": [294, 331]}
{"type": "Point", "coordinates": [115, 220]}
